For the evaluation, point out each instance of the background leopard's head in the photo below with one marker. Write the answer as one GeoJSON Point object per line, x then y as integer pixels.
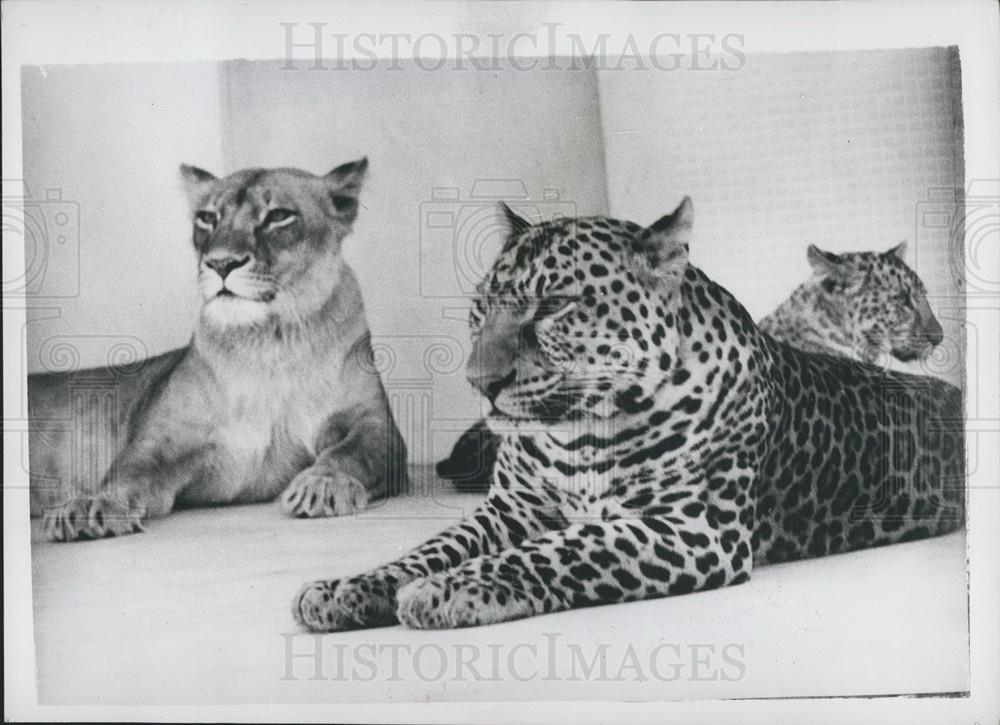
{"type": "Point", "coordinates": [268, 240]}
{"type": "Point", "coordinates": [577, 316]}
{"type": "Point", "coordinates": [879, 300]}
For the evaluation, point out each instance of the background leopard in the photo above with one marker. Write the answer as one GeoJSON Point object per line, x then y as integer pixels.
{"type": "Point", "coordinates": [654, 442]}
{"type": "Point", "coordinates": [860, 305]}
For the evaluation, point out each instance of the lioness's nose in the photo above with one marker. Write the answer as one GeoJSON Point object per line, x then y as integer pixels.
{"type": "Point", "coordinates": [224, 264]}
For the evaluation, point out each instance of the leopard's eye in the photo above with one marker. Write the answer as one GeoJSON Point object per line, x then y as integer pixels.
{"type": "Point", "coordinates": [476, 314]}
{"type": "Point", "coordinates": [560, 309]}
{"type": "Point", "coordinates": [547, 317]}
{"type": "Point", "coordinates": [206, 220]}
{"type": "Point", "coordinates": [279, 218]}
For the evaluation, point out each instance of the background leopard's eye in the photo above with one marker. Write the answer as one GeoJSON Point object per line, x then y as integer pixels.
{"type": "Point", "coordinates": [529, 335]}
{"type": "Point", "coordinates": [279, 218]}
{"type": "Point", "coordinates": [206, 219]}
{"type": "Point", "coordinates": [476, 316]}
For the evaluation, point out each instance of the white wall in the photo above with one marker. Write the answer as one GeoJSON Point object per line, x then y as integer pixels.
{"type": "Point", "coordinates": [851, 151]}
{"type": "Point", "coordinates": [109, 139]}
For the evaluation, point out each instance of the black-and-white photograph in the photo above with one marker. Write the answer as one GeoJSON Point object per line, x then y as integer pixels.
{"type": "Point", "coordinates": [529, 354]}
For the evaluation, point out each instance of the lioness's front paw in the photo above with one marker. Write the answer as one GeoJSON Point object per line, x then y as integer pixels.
{"type": "Point", "coordinates": [322, 491]}
{"type": "Point", "coordinates": [91, 517]}
{"type": "Point", "coordinates": [331, 606]}
{"type": "Point", "coordinates": [443, 601]}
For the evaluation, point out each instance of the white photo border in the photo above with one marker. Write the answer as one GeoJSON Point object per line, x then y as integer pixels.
{"type": "Point", "coordinates": [162, 31]}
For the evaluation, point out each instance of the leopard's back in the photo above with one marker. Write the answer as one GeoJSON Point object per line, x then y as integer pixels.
{"type": "Point", "coordinates": [857, 457]}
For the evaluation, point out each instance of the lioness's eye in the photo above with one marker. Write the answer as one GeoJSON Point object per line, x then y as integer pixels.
{"type": "Point", "coordinates": [279, 217]}
{"type": "Point", "coordinates": [206, 219]}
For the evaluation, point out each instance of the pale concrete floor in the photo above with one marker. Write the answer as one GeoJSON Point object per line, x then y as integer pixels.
{"type": "Point", "coordinates": [196, 610]}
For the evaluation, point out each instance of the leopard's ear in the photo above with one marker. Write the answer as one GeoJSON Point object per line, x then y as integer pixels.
{"type": "Point", "coordinates": [665, 243]}
{"type": "Point", "coordinates": [823, 262]}
{"type": "Point", "coordinates": [513, 225]}
{"type": "Point", "coordinates": [898, 251]}
{"type": "Point", "coordinates": [343, 186]}
{"type": "Point", "coordinates": [197, 183]}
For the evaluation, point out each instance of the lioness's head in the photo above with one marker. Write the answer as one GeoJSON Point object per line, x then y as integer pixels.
{"type": "Point", "coordinates": [268, 240]}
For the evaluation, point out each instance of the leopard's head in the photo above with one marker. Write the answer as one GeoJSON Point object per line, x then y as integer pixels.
{"type": "Point", "coordinates": [576, 318]}
{"type": "Point", "coordinates": [880, 300]}
{"type": "Point", "coordinates": [268, 240]}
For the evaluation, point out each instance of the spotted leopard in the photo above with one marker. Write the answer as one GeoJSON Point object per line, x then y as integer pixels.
{"type": "Point", "coordinates": [654, 442]}
{"type": "Point", "coordinates": [862, 305]}
{"type": "Point", "coordinates": [867, 306]}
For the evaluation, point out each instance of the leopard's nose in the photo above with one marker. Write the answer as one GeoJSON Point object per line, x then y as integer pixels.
{"type": "Point", "coordinates": [934, 333]}
{"type": "Point", "coordinates": [491, 367]}
{"type": "Point", "coordinates": [492, 364]}
{"type": "Point", "coordinates": [491, 385]}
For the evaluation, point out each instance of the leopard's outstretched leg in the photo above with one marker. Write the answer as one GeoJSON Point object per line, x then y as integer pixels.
{"type": "Point", "coordinates": [581, 565]}
{"type": "Point", "coordinates": [369, 600]}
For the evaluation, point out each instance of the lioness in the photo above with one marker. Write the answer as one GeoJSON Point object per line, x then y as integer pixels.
{"type": "Point", "coordinates": [275, 392]}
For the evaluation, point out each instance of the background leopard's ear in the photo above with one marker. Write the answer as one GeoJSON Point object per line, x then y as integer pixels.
{"type": "Point", "coordinates": [515, 223]}
{"type": "Point", "coordinates": [343, 186]}
{"type": "Point", "coordinates": [665, 243]}
{"type": "Point", "coordinates": [197, 184]}
{"type": "Point", "coordinates": [514, 226]}
{"type": "Point", "coordinates": [823, 262]}
{"type": "Point", "coordinates": [898, 251]}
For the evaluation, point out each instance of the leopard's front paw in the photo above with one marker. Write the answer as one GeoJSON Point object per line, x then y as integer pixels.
{"type": "Point", "coordinates": [322, 491]}
{"type": "Point", "coordinates": [91, 517]}
{"type": "Point", "coordinates": [443, 601]}
{"type": "Point", "coordinates": [332, 606]}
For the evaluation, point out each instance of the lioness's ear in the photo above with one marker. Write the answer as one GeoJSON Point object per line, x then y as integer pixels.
{"type": "Point", "coordinates": [823, 262]}
{"type": "Point", "coordinates": [664, 244]}
{"type": "Point", "coordinates": [197, 182]}
{"type": "Point", "coordinates": [343, 186]}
